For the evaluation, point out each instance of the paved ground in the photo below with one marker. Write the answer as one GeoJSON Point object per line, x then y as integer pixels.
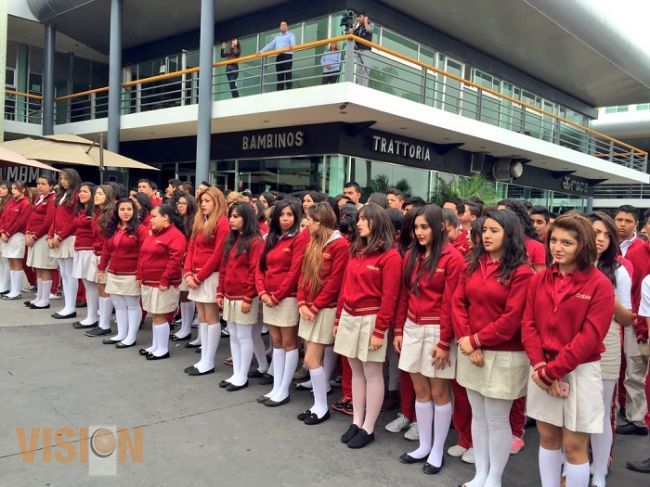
{"type": "Point", "coordinates": [194, 432]}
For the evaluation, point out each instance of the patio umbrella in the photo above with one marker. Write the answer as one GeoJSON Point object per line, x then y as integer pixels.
{"type": "Point", "coordinates": [11, 158]}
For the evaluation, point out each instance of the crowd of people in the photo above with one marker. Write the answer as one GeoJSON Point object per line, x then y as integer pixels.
{"type": "Point", "coordinates": [467, 314]}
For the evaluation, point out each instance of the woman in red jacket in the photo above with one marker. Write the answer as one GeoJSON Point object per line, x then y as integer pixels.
{"type": "Point", "coordinates": [568, 312]}
{"type": "Point", "coordinates": [118, 266]}
{"type": "Point", "coordinates": [366, 310]}
{"type": "Point", "coordinates": [201, 273]}
{"type": "Point", "coordinates": [424, 332]}
{"type": "Point", "coordinates": [38, 253]}
{"type": "Point", "coordinates": [12, 233]}
{"type": "Point", "coordinates": [159, 275]}
{"type": "Point", "coordinates": [236, 293]}
{"type": "Point", "coordinates": [493, 368]}
{"type": "Point", "coordinates": [61, 238]}
{"type": "Point", "coordinates": [277, 282]}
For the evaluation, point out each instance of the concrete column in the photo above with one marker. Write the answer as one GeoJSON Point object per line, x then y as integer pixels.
{"type": "Point", "coordinates": [204, 124]}
{"type": "Point", "coordinates": [48, 79]}
{"type": "Point", "coordinates": [115, 76]}
{"type": "Point", "coordinates": [3, 62]}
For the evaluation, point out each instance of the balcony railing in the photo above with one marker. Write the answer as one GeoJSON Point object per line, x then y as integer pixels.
{"type": "Point", "coordinates": [23, 107]}
{"type": "Point", "coordinates": [622, 191]}
{"type": "Point", "coordinates": [379, 68]}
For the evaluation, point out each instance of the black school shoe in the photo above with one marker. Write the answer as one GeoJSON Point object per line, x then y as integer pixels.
{"type": "Point", "coordinates": [313, 419]}
{"type": "Point", "coordinates": [233, 387]}
{"type": "Point", "coordinates": [97, 332]}
{"type": "Point", "coordinates": [350, 433]}
{"type": "Point", "coordinates": [408, 459]}
{"type": "Point", "coordinates": [431, 470]}
{"type": "Point", "coordinates": [361, 439]}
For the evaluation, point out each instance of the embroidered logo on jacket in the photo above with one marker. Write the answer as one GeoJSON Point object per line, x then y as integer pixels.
{"type": "Point", "coordinates": [372, 267]}
{"type": "Point", "coordinates": [586, 297]}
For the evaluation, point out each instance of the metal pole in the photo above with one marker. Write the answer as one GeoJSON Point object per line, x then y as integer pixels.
{"type": "Point", "coordinates": [48, 79]}
{"type": "Point", "coordinates": [101, 158]}
{"type": "Point", "coordinates": [115, 76]}
{"type": "Point", "coordinates": [205, 91]}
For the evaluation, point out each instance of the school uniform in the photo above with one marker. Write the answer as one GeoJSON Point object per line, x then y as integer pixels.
{"type": "Point", "coordinates": [323, 301]}
{"type": "Point", "coordinates": [563, 328]}
{"type": "Point", "coordinates": [42, 215]}
{"type": "Point", "coordinates": [99, 238]}
{"type": "Point", "coordinates": [535, 251]}
{"type": "Point", "coordinates": [84, 261]}
{"type": "Point", "coordinates": [13, 223]}
{"type": "Point", "coordinates": [367, 304]}
{"type": "Point", "coordinates": [424, 316]}
{"type": "Point", "coordinates": [610, 359]}
{"type": "Point", "coordinates": [461, 244]}
{"type": "Point", "coordinates": [120, 260]}
{"type": "Point", "coordinates": [63, 227]}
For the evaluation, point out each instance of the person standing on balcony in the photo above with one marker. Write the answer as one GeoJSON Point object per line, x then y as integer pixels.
{"type": "Point", "coordinates": [283, 61]}
{"type": "Point", "coordinates": [363, 28]}
{"type": "Point", "coordinates": [331, 62]}
{"type": "Point", "coordinates": [232, 70]}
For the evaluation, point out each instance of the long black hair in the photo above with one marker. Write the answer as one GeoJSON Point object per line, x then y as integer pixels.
{"type": "Point", "coordinates": [347, 220]}
{"type": "Point", "coordinates": [433, 216]}
{"type": "Point", "coordinates": [74, 181]}
{"type": "Point", "coordinates": [115, 222]}
{"type": "Point", "coordinates": [89, 209]}
{"type": "Point", "coordinates": [275, 230]}
{"type": "Point", "coordinates": [144, 206]}
{"type": "Point", "coordinates": [170, 211]}
{"type": "Point", "coordinates": [190, 212]}
{"type": "Point", "coordinates": [608, 261]}
{"type": "Point", "coordinates": [513, 250]}
{"type": "Point", "coordinates": [519, 209]}
{"type": "Point", "coordinates": [406, 234]}
{"type": "Point", "coordinates": [381, 236]}
{"type": "Point", "coordinates": [249, 231]}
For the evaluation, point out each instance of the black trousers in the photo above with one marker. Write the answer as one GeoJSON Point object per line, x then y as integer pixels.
{"type": "Point", "coordinates": [283, 67]}
{"type": "Point", "coordinates": [232, 73]}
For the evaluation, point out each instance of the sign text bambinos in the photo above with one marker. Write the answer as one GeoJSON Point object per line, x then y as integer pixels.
{"type": "Point", "coordinates": [278, 140]}
{"type": "Point", "coordinates": [387, 145]}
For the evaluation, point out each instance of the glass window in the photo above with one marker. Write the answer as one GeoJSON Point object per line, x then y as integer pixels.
{"type": "Point", "coordinates": [398, 43]}
{"type": "Point", "coordinates": [375, 176]}
{"type": "Point", "coordinates": [307, 70]}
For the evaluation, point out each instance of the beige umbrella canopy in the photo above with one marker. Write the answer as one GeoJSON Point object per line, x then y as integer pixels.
{"type": "Point", "coordinates": [11, 158]}
{"type": "Point", "coordinates": [71, 149]}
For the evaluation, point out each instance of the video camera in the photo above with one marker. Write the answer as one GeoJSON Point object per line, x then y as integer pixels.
{"type": "Point", "coordinates": [347, 21]}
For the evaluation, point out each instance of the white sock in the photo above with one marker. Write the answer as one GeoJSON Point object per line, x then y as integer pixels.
{"type": "Point", "coordinates": [121, 317]}
{"type": "Point", "coordinates": [440, 430]}
{"type": "Point", "coordinates": [235, 351]}
{"type": "Point", "coordinates": [197, 340]}
{"type": "Point", "coordinates": [259, 349]}
{"type": "Point", "coordinates": [46, 288]}
{"type": "Point", "coordinates": [290, 364]}
{"type": "Point", "coordinates": [480, 439]}
{"type": "Point", "coordinates": [245, 336]}
{"type": "Point", "coordinates": [319, 381]}
{"type": "Point", "coordinates": [278, 364]}
{"type": "Point", "coordinates": [500, 439]}
{"type": "Point", "coordinates": [105, 311]}
{"type": "Point", "coordinates": [39, 292]}
{"type": "Point", "coordinates": [154, 340]}
{"type": "Point", "coordinates": [550, 467]}
{"type": "Point", "coordinates": [5, 280]}
{"type": "Point", "coordinates": [577, 475]}
{"type": "Point", "coordinates": [135, 316]}
{"type": "Point", "coordinates": [187, 313]}
{"type": "Point", "coordinates": [330, 360]}
{"type": "Point", "coordinates": [92, 302]}
{"type": "Point", "coordinates": [16, 278]}
{"type": "Point", "coordinates": [209, 348]}
{"type": "Point", "coordinates": [307, 384]}
{"type": "Point", "coordinates": [161, 333]}
{"type": "Point", "coordinates": [601, 443]}
{"type": "Point", "coordinates": [203, 338]}
{"type": "Point", "coordinates": [424, 416]}
{"type": "Point", "coordinates": [269, 371]}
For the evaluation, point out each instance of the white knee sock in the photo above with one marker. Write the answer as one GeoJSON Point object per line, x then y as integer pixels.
{"type": "Point", "coordinates": [480, 439]}
{"type": "Point", "coordinates": [290, 364]}
{"type": "Point", "coordinates": [245, 336]}
{"type": "Point", "coordinates": [105, 311]}
{"type": "Point", "coordinates": [203, 338]}
{"type": "Point", "coordinates": [92, 302]}
{"type": "Point", "coordinates": [601, 443]}
{"type": "Point", "coordinates": [550, 467]}
{"type": "Point", "coordinates": [374, 374]}
{"type": "Point", "coordinates": [121, 317]}
{"type": "Point", "coordinates": [278, 365]}
{"type": "Point", "coordinates": [424, 417]}
{"type": "Point", "coordinates": [440, 430]}
{"type": "Point", "coordinates": [577, 475]}
{"type": "Point", "coordinates": [46, 288]}
{"type": "Point", "coordinates": [187, 313]}
{"type": "Point", "coordinates": [39, 292]}
{"type": "Point", "coordinates": [260, 349]}
{"type": "Point", "coordinates": [16, 278]}
{"type": "Point", "coordinates": [500, 439]}
{"type": "Point", "coordinates": [5, 280]}
{"type": "Point", "coordinates": [319, 381]}
{"type": "Point", "coordinates": [135, 316]}
{"type": "Point", "coordinates": [197, 340]}
{"type": "Point", "coordinates": [235, 350]}
{"type": "Point", "coordinates": [162, 339]}
{"type": "Point", "coordinates": [329, 363]}
{"type": "Point", "coordinates": [209, 346]}
{"type": "Point", "coordinates": [154, 340]}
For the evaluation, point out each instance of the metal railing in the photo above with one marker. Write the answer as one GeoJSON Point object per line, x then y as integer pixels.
{"type": "Point", "coordinates": [622, 191]}
{"type": "Point", "coordinates": [379, 68]}
{"type": "Point", "coordinates": [23, 107]}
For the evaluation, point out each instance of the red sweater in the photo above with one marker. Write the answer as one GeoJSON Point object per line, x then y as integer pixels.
{"type": "Point", "coordinates": [639, 256]}
{"type": "Point", "coordinates": [84, 233]}
{"type": "Point", "coordinates": [237, 272]}
{"type": "Point", "coordinates": [121, 251]}
{"type": "Point", "coordinates": [335, 258]}
{"type": "Point", "coordinates": [15, 216]}
{"type": "Point", "coordinates": [431, 305]}
{"type": "Point", "coordinates": [461, 244]}
{"type": "Point", "coordinates": [489, 310]}
{"type": "Point", "coordinates": [566, 320]}
{"type": "Point", "coordinates": [283, 262]}
{"type": "Point", "coordinates": [371, 285]}
{"type": "Point", "coordinates": [64, 223]}
{"type": "Point", "coordinates": [161, 258]}
{"type": "Point", "coordinates": [535, 251]}
{"type": "Point", "coordinates": [98, 237]}
{"type": "Point", "coordinates": [41, 217]}
{"type": "Point", "coordinates": [204, 254]}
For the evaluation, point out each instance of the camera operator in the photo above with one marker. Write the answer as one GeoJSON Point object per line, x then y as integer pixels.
{"type": "Point", "coordinates": [363, 28]}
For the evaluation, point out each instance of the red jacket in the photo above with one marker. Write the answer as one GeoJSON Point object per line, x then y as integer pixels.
{"type": "Point", "coordinates": [99, 237]}
{"type": "Point", "coordinates": [566, 320]}
{"type": "Point", "coordinates": [431, 305]}
{"type": "Point", "coordinates": [535, 251]}
{"type": "Point", "coordinates": [121, 251]}
{"type": "Point", "coordinates": [461, 244]}
{"type": "Point", "coordinates": [283, 262]}
{"type": "Point", "coordinates": [161, 258]}
{"type": "Point", "coordinates": [64, 223]}
{"type": "Point", "coordinates": [335, 258]}
{"type": "Point", "coordinates": [41, 217]}
{"type": "Point", "coordinates": [84, 233]}
{"type": "Point", "coordinates": [237, 272]}
{"type": "Point", "coordinates": [15, 215]}
{"type": "Point", "coordinates": [371, 285]}
{"type": "Point", "coordinates": [204, 254]}
{"type": "Point", "coordinates": [639, 256]}
{"type": "Point", "coordinates": [489, 310]}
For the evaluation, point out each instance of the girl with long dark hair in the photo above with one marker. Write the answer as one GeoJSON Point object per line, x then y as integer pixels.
{"type": "Point", "coordinates": [311, 198]}
{"type": "Point", "coordinates": [12, 234]}
{"type": "Point", "coordinates": [534, 248]}
{"type": "Point", "coordinates": [186, 208]}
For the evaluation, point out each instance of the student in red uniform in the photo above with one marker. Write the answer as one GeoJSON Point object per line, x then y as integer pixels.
{"type": "Point", "coordinates": [105, 207]}
{"type": "Point", "coordinates": [149, 188]}
{"type": "Point", "coordinates": [201, 273]}
{"type": "Point", "coordinates": [5, 280]}
{"type": "Point", "coordinates": [277, 283]}
{"type": "Point", "coordinates": [118, 265]}
{"type": "Point", "coordinates": [61, 239]}
{"type": "Point", "coordinates": [260, 215]}
{"type": "Point", "coordinates": [186, 207]}
{"type": "Point", "coordinates": [493, 368]}
{"type": "Point", "coordinates": [318, 289]}
{"type": "Point", "coordinates": [84, 262]}
{"type": "Point", "coordinates": [144, 205]}
{"type": "Point", "coordinates": [236, 293]}
{"type": "Point", "coordinates": [424, 332]}
{"type": "Point", "coordinates": [159, 273]}
{"type": "Point", "coordinates": [456, 235]}
{"type": "Point", "coordinates": [568, 312]}
{"type": "Point", "coordinates": [12, 233]}
{"type": "Point", "coordinates": [38, 253]}
{"type": "Point", "coordinates": [365, 311]}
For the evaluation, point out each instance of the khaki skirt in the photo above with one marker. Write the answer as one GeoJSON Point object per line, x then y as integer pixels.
{"type": "Point", "coordinates": [65, 250]}
{"type": "Point", "coordinates": [159, 302]}
{"type": "Point", "coordinates": [207, 291]}
{"type": "Point", "coordinates": [15, 247]}
{"type": "Point", "coordinates": [353, 338]}
{"type": "Point", "coordinates": [504, 375]}
{"type": "Point", "coordinates": [121, 285]}
{"type": "Point", "coordinates": [418, 343]}
{"type": "Point", "coordinates": [581, 412]}
{"type": "Point", "coordinates": [84, 265]}
{"type": "Point", "coordinates": [38, 255]}
{"type": "Point", "coordinates": [610, 360]}
{"type": "Point", "coordinates": [283, 314]}
{"type": "Point", "coordinates": [232, 312]}
{"type": "Point", "coordinates": [320, 330]}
